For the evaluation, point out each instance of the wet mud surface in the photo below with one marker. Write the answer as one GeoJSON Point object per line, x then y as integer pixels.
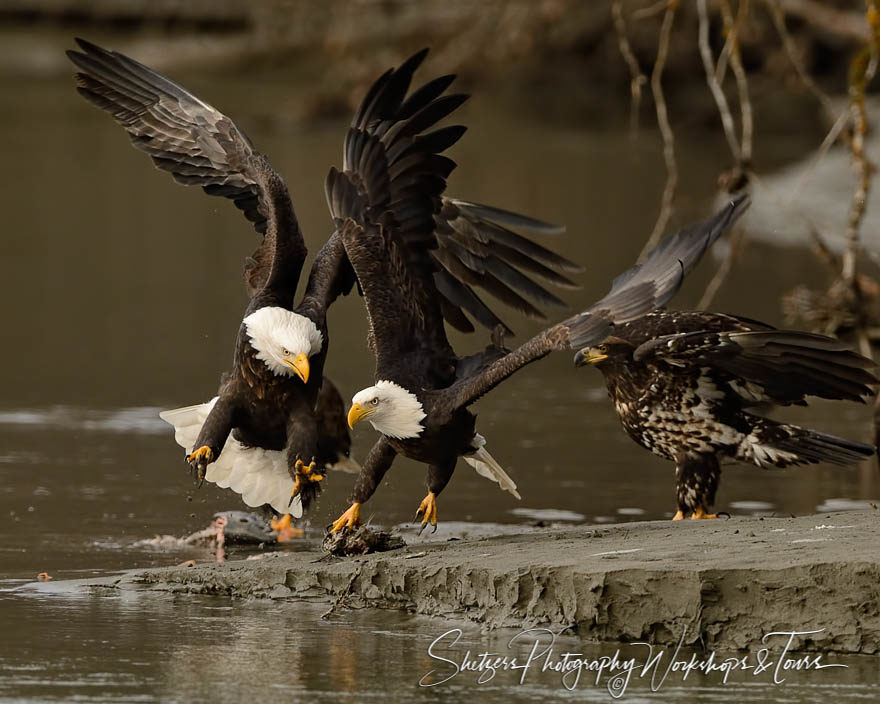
{"type": "Point", "coordinates": [724, 583]}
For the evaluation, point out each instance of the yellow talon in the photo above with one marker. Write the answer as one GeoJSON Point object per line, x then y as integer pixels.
{"type": "Point", "coordinates": [350, 519]}
{"type": "Point", "coordinates": [679, 515]}
{"type": "Point", "coordinates": [285, 529]}
{"type": "Point", "coordinates": [700, 514]}
{"type": "Point", "coordinates": [203, 454]}
{"type": "Point", "coordinates": [304, 474]}
{"type": "Point", "coordinates": [428, 511]}
{"type": "Point", "coordinates": [281, 523]}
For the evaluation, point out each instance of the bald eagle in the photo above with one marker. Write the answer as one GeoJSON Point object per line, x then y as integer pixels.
{"type": "Point", "coordinates": [683, 385]}
{"type": "Point", "coordinates": [277, 423]}
{"type": "Point", "coordinates": [422, 392]}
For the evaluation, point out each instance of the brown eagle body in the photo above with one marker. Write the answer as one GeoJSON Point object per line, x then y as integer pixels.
{"type": "Point", "coordinates": [685, 385]}
{"type": "Point", "coordinates": [386, 200]}
{"type": "Point", "coordinates": [275, 398]}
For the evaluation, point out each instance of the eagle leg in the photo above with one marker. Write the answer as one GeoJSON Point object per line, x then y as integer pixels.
{"type": "Point", "coordinates": [427, 511]}
{"type": "Point", "coordinates": [350, 519]}
{"type": "Point", "coordinates": [304, 474]}
{"type": "Point", "coordinates": [700, 513]}
{"type": "Point", "coordinates": [199, 460]}
{"type": "Point", "coordinates": [285, 529]}
{"type": "Point", "coordinates": [696, 482]}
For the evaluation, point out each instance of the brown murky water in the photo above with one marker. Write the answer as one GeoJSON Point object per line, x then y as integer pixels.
{"type": "Point", "coordinates": [121, 294]}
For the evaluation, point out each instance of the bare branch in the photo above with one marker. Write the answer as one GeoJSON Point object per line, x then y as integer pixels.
{"type": "Point", "coordinates": [637, 78]}
{"type": "Point", "coordinates": [830, 139]}
{"type": "Point", "coordinates": [863, 68]}
{"type": "Point", "coordinates": [778, 15]}
{"type": "Point", "coordinates": [655, 9]}
{"type": "Point", "coordinates": [843, 24]}
{"type": "Point", "coordinates": [665, 129]}
{"type": "Point", "coordinates": [742, 84]}
{"type": "Point", "coordinates": [737, 240]}
{"type": "Point", "coordinates": [714, 86]}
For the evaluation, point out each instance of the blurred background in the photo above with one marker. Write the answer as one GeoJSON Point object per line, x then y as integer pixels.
{"type": "Point", "coordinates": [122, 291]}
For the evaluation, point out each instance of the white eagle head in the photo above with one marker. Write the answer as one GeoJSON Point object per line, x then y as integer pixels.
{"type": "Point", "coordinates": [391, 409]}
{"type": "Point", "coordinates": [284, 340]}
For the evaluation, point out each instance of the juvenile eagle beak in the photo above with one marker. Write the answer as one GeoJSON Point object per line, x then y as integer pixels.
{"type": "Point", "coordinates": [358, 413]}
{"type": "Point", "coordinates": [588, 355]}
{"type": "Point", "coordinates": [300, 366]}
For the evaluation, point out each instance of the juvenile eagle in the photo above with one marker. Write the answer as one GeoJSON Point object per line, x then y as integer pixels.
{"type": "Point", "coordinates": [386, 200]}
{"type": "Point", "coordinates": [277, 423]}
{"type": "Point", "coordinates": [682, 384]}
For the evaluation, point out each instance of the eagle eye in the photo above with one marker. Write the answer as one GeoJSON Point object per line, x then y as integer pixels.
{"type": "Point", "coordinates": [374, 402]}
{"type": "Point", "coordinates": [603, 348]}
{"type": "Point", "coordinates": [285, 352]}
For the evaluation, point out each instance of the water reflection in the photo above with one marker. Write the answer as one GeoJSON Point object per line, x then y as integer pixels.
{"type": "Point", "coordinates": [132, 646]}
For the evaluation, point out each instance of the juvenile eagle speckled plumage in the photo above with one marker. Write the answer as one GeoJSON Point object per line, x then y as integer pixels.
{"type": "Point", "coordinates": [682, 384]}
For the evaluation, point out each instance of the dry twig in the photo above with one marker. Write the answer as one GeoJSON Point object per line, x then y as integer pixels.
{"type": "Point", "coordinates": [655, 9]}
{"type": "Point", "coordinates": [741, 150]}
{"type": "Point", "coordinates": [637, 78]}
{"type": "Point", "coordinates": [665, 129]}
{"type": "Point", "coordinates": [733, 27]}
{"type": "Point", "coordinates": [712, 80]}
{"type": "Point", "coordinates": [862, 70]}
{"type": "Point", "coordinates": [736, 243]}
{"type": "Point", "coordinates": [778, 15]}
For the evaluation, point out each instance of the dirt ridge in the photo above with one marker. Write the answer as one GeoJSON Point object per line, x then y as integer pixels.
{"type": "Point", "coordinates": [725, 584]}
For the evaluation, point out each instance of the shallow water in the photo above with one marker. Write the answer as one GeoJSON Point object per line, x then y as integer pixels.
{"type": "Point", "coordinates": [136, 647]}
{"type": "Point", "coordinates": [121, 294]}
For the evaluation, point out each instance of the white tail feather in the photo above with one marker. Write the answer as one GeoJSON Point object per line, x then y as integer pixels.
{"type": "Point", "coordinates": [260, 476]}
{"type": "Point", "coordinates": [486, 466]}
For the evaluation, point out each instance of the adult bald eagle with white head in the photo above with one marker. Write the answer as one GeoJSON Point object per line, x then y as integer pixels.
{"type": "Point", "coordinates": [277, 422]}
{"type": "Point", "coordinates": [423, 389]}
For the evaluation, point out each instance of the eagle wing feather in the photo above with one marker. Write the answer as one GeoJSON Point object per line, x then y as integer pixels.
{"type": "Point", "coordinates": [779, 366]}
{"type": "Point", "coordinates": [639, 290]}
{"type": "Point", "coordinates": [437, 250]}
{"type": "Point", "coordinates": [200, 146]}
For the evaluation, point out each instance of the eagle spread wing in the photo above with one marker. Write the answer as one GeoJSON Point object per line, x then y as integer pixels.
{"type": "Point", "coordinates": [418, 255]}
{"type": "Point", "coordinates": [478, 245]}
{"type": "Point", "coordinates": [200, 146]}
{"type": "Point", "coordinates": [775, 366]}
{"type": "Point", "coordinates": [639, 290]}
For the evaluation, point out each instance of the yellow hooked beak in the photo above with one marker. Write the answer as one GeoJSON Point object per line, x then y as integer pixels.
{"type": "Point", "coordinates": [588, 355]}
{"type": "Point", "coordinates": [358, 413]}
{"type": "Point", "coordinates": [300, 366]}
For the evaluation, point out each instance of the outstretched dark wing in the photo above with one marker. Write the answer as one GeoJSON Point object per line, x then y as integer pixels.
{"type": "Point", "coordinates": [639, 290]}
{"type": "Point", "coordinates": [199, 146]}
{"type": "Point", "coordinates": [651, 283]}
{"type": "Point", "coordinates": [417, 255]}
{"type": "Point", "coordinates": [778, 366]}
{"type": "Point", "coordinates": [480, 245]}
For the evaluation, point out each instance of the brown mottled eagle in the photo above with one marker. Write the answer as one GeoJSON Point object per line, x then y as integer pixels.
{"type": "Point", "coordinates": [423, 389]}
{"type": "Point", "coordinates": [683, 385]}
{"type": "Point", "coordinates": [277, 422]}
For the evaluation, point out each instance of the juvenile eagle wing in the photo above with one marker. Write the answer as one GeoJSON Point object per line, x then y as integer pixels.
{"type": "Point", "coordinates": [778, 366]}
{"type": "Point", "coordinates": [639, 290]}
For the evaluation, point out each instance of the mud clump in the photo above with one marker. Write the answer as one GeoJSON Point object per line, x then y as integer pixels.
{"type": "Point", "coordinates": [361, 541]}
